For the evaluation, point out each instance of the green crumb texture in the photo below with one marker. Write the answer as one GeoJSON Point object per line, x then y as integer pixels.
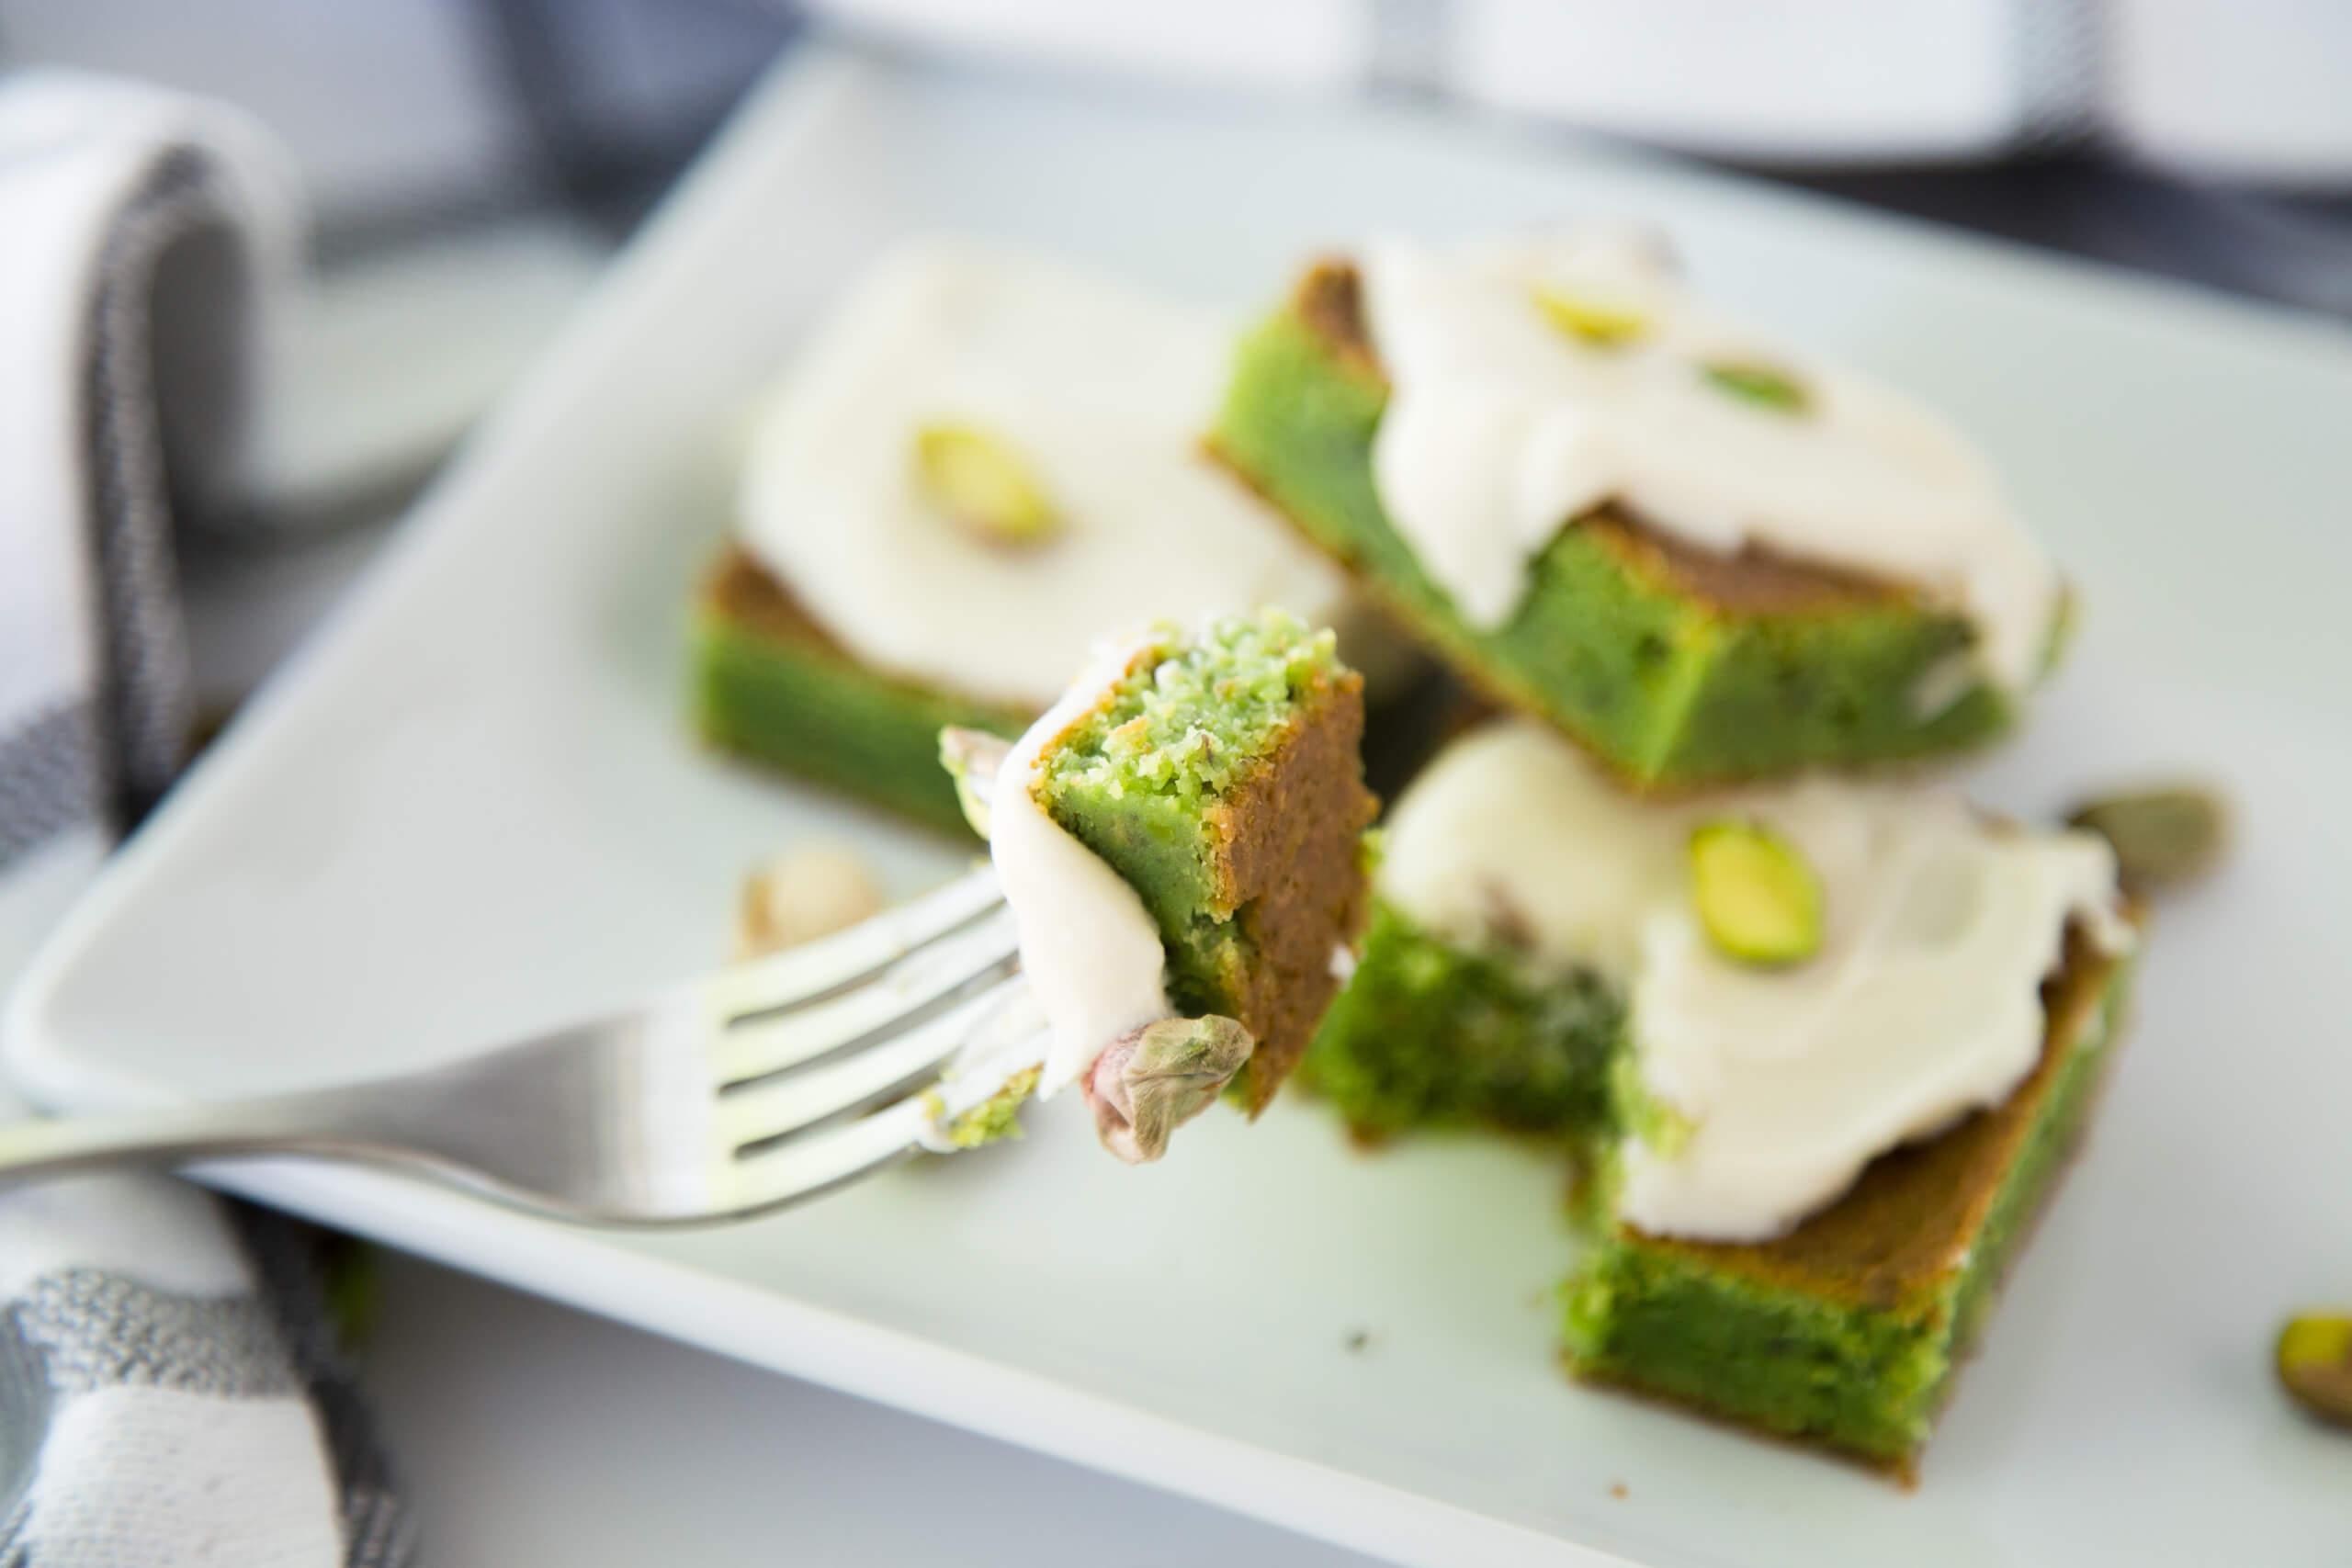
{"type": "Point", "coordinates": [1222, 778]}
{"type": "Point", "coordinates": [996, 1117]}
{"type": "Point", "coordinates": [1847, 1332]}
{"type": "Point", "coordinates": [1431, 1036]}
{"type": "Point", "coordinates": [1193, 714]}
{"type": "Point", "coordinates": [1667, 679]}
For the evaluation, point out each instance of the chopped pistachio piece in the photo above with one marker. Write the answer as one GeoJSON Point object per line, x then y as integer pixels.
{"type": "Point", "coordinates": [1766, 386]}
{"type": "Point", "coordinates": [996, 1117]}
{"type": "Point", "coordinates": [2163, 838]}
{"type": "Point", "coordinates": [983, 484]}
{"type": "Point", "coordinates": [1152, 1080]}
{"type": "Point", "coordinates": [1594, 323]}
{"type": "Point", "coordinates": [2316, 1364]}
{"type": "Point", "coordinates": [1758, 899]}
{"type": "Point", "coordinates": [813, 890]}
{"type": "Point", "coordinates": [972, 757]}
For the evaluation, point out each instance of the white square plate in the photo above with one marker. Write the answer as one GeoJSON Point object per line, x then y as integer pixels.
{"type": "Point", "coordinates": [474, 807]}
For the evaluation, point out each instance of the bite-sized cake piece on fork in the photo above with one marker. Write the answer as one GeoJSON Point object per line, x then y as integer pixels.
{"type": "Point", "coordinates": [1181, 838]}
{"type": "Point", "coordinates": [1703, 556]}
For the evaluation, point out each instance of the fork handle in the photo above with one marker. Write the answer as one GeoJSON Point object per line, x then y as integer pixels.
{"type": "Point", "coordinates": [322, 1123]}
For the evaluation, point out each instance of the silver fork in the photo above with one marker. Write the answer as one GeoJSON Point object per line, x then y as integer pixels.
{"type": "Point", "coordinates": [757, 1086]}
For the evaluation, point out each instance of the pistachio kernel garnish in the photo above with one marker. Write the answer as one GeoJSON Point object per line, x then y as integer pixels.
{"type": "Point", "coordinates": [1152, 1080]}
{"type": "Point", "coordinates": [1756, 897]}
{"type": "Point", "coordinates": [1766, 386]}
{"type": "Point", "coordinates": [813, 890]}
{"type": "Point", "coordinates": [1596, 323]}
{"type": "Point", "coordinates": [983, 484]}
{"type": "Point", "coordinates": [2163, 838]}
{"type": "Point", "coordinates": [2316, 1364]}
{"type": "Point", "coordinates": [972, 757]}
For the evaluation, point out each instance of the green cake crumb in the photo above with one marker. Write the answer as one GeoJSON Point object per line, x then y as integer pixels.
{"type": "Point", "coordinates": [1196, 714]}
{"type": "Point", "coordinates": [996, 1117]}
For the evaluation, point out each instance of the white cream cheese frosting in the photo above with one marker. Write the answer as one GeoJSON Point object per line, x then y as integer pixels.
{"type": "Point", "coordinates": [1501, 426]}
{"type": "Point", "coordinates": [1922, 1004]}
{"type": "Point", "coordinates": [1090, 951]}
{"type": "Point", "coordinates": [1103, 392]}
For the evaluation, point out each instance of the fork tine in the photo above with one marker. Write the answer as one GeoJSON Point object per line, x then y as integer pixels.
{"type": "Point", "coordinates": [787, 1103]}
{"type": "Point", "coordinates": [886, 1004]}
{"type": "Point", "coordinates": [802, 1168]}
{"type": "Point", "coordinates": [815, 971]}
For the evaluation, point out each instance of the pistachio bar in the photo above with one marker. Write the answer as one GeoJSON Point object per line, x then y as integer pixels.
{"type": "Point", "coordinates": [1181, 839]}
{"type": "Point", "coordinates": [1818, 1047]}
{"type": "Point", "coordinates": [1677, 660]}
{"type": "Point", "coordinates": [771, 686]}
{"type": "Point", "coordinates": [1849, 1330]}
{"type": "Point", "coordinates": [980, 463]}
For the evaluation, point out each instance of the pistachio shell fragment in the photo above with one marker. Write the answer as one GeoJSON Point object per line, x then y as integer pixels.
{"type": "Point", "coordinates": [1758, 899]}
{"type": "Point", "coordinates": [1152, 1080]}
{"type": "Point", "coordinates": [972, 757]}
{"type": "Point", "coordinates": [2163, 838]}
{"type": "Point", "coordinates": [1766, 386]}
{"type": "Point", "coordinates": [981, 482]}
{"type": "Point", "coordinates": [2316, 1364]}
{"type": "Point", "coordinates": [809, 891]}
{"type": "Point", "coordinates": [1594, 323]}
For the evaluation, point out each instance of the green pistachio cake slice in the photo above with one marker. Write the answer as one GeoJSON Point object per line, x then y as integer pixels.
{"type": "Point", "coordinates": [1819, 1045]}
{"type": "Point", "coordinates": [1849, 1330]}
{"type": "Point", "coordinates": [1181, 838]}
{"type": "Point", "coordinates": [980, 463]}
{"type": "Point", "coordinates": [1704, 559]}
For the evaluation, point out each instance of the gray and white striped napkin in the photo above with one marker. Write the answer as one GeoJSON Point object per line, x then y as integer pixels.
{"type": "Point", "coordinates": [170, 1394]}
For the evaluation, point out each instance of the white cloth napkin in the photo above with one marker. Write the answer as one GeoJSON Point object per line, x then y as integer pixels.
{"type": "Point", "coordinates": [168, 1392]}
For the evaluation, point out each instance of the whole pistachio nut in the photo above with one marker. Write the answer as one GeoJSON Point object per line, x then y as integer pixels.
{"type": "Point", "coordinates": [2163, 838]}
{"type": "Point", "coordinates": [972, 757]}
{"type": "Point", "coordinates": [2316, 1364]}
{"type": "Point", "coordinates": [1152, 1080]}
{"type": "Point", "coordinates": [1756, 894]}
{"type": "Point", "coordinates": [980, 481]}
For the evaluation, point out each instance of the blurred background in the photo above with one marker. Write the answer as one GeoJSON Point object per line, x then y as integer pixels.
{"type": "Point", "coordinates": [472, 166]}
{"type": "Point", "coordinates": [472, 163]}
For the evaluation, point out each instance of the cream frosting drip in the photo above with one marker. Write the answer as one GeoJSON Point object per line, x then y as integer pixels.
{"type": "Point", "coordinates": [1091, 953]}
{"type": "Point", "coordinates": [1502, 425]}
{"type": "Point", "coordinates": [1922, 1004]}
{"type": "Point", "coordinates": [1104, 392]}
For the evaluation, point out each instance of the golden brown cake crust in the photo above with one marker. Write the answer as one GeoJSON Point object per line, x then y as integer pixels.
{"type": "Point", "coordinates": [741, 591]}
{"type": "Point", "coordinates": [1329, 301]}
{"type": "Point", "coordinates": [1910, 1219]}
{"type": "Point", "coordinates": [1290, 860]}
